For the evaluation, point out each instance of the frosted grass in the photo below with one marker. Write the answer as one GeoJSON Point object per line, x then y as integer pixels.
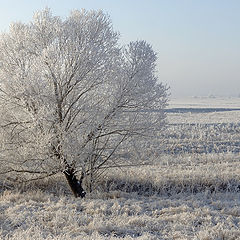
{"type": "Point", "coordinates": [188, 195]}
{"type": "Point", "coordinates": [191, 198]}
{"type": "Point", "coordinates": [119, 215]}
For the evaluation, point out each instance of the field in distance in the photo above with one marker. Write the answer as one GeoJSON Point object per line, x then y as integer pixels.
{"type": "Point", "coordinates": [205, 102]}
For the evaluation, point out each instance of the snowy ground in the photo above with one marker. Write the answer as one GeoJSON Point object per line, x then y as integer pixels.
{"type": "Point", "coordinates": [205, 102]}
{"type": "Point", "coordinates": [116, 215]}
{"type": "Point", "coordinates": [182, 196]}
{"type": "Point", "coordinates": [201, 126]}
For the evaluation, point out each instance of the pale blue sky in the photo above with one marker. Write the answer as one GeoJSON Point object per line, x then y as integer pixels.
{"type": "Point", "coordinates": [198, 41]}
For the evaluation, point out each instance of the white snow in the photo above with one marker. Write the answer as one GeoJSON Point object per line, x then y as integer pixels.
{"type": "Point", "coordinates": [185, 196]}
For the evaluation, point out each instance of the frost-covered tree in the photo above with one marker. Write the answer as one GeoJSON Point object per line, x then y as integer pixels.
{"type": "Point", "coordinates": [72, 99]}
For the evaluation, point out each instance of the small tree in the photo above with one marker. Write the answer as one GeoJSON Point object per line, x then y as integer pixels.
{"type": "Point", "coordinates": [72, 99]}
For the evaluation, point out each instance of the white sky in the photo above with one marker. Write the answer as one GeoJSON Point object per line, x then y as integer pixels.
{"type": "Point", "coordinates": [198, 42]}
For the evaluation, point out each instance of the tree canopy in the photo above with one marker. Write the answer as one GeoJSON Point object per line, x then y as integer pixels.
{"type": "Point", "coordinates": [73, 100]}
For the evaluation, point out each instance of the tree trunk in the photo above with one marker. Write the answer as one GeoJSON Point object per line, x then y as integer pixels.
{"type": "Point", "coordinates": [74, 183]}
{"type": "Point", "coordinates": [69, 172]}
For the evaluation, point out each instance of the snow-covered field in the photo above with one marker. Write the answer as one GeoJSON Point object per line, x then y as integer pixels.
{"type": "Point", "coordinates": [205, 117]}
{"type": "Point", "coordinates": [205, 102]}
{"type": "Point", "coordinates": [204, 125]}
{"type": "Point", "coordinates": [37, 215]}
{"type": "Point", "coordinates": [183, 195]}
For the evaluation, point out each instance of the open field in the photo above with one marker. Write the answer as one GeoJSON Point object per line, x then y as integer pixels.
{"type": "Point", "coordinates": [205, 102]}
{"type": "Point", "coordinates": [203, 125]}
{"type": "Point", "coordinates": [191, 191]}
